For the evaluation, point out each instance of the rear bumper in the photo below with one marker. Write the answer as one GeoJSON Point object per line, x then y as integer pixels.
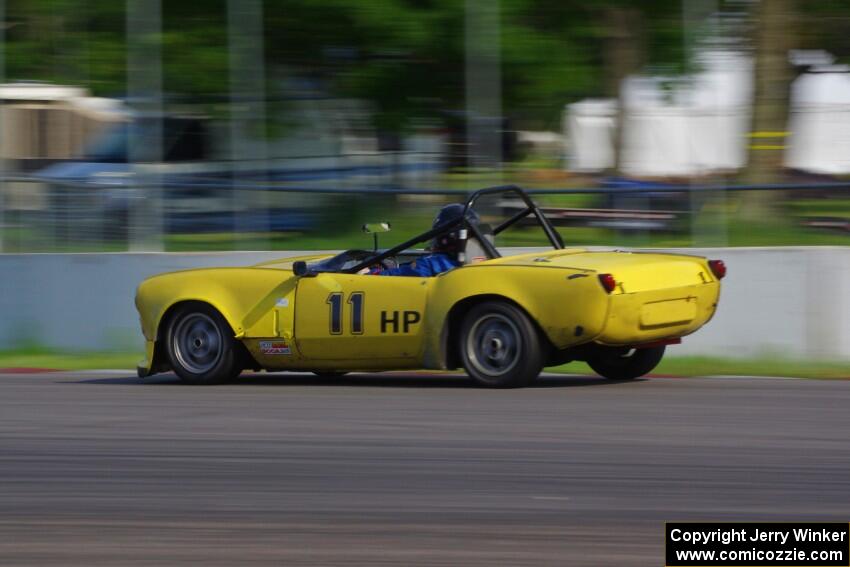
{"type": "Point", "coordinates": [647, 316]}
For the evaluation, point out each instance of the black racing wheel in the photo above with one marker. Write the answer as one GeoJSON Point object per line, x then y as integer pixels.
{"type": "Point", "coordinates": [201, 346]}
{"type": "Point", "coordinates": [499, 346]}
{"type": "Point", "coordinates": [329, 374]}
{"type": "Point", "coordinates": [625, 364]}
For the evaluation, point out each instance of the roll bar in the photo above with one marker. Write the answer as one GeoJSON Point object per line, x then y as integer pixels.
{"type": "Point", "coordinates": [464, 222]}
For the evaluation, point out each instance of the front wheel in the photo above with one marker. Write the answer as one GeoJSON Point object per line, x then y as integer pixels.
{"type": "Point", "coordinates": [499, 345]}
{"type": "Point", "coordinates": [201, 347]}
{"type": "Point", "coordinates": [625, 364]}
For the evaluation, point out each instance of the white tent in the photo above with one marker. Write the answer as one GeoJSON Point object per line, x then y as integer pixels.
{"type": "Point", "coordinates": [589, 127]}
{"type": "Point", "coordinates": [820, 122]}
{"type": "Point", "coordinates": [678, 127]}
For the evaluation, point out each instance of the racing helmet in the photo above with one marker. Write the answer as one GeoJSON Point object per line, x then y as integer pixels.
{"type": "Point", "coordinates": [450, 242]}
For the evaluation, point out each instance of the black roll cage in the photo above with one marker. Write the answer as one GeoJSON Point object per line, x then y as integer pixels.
{"type": "Point", "coordinates": [464, 222]}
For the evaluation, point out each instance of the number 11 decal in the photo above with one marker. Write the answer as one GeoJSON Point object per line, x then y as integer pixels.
{"type": "Point", "coordinates": [356, 300]}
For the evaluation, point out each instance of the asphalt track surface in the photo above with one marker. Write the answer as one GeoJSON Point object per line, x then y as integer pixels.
{"type": "Point", "coordinates": [394, 469]}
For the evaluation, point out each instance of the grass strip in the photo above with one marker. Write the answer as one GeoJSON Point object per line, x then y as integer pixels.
{"type": "Point", "coordinates": [674, 366]}
{"type": "Point", "coordinates": [712, 366]}
{"type": "Point", "coordinates": [37, 358]}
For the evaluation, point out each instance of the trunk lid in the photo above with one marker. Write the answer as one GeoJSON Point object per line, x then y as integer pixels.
{"type": "Point", "coordinates": [633, 271]}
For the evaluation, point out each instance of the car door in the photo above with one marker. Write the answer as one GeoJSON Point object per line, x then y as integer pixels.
{"type": "Point", "coordinates": [353, 317]}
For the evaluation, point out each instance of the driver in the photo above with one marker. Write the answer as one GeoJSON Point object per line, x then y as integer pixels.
{"type": "Point", "coordinates": [445, 248]}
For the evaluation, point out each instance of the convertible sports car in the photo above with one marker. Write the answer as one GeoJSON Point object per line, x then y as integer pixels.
{"type": "Point", "coordinates": [502, 318]}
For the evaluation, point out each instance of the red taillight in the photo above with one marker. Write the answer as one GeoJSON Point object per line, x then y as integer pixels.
{"type": "Point", "coordinates": [718, 268]}
{"type": "Point", "coordinates": [608, 282]}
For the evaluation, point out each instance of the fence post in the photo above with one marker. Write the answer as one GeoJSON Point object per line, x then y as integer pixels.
{"type": "Point", "coordinates": [248, 129]}
{"type": "Point", "coordinates": [484, 128]}
{"type": "Point", "coordinates": [145, 143]}
{"type": "Point", "coordinates": [2, 158]}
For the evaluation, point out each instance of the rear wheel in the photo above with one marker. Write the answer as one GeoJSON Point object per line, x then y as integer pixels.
{"type": "Point", "coordinates": [201, 347]}
{"type": "Point", "coordinates": [625, 364]}
{"type": "Point", "coordinates": [500, 346]}
{"type": "Point", "coordinates": [329, 374]}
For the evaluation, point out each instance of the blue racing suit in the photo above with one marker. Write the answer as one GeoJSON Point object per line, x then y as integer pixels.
{"type": "Point", "coordinates": [424, 267]}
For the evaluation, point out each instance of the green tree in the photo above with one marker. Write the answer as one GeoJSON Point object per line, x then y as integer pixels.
{"type": "Point", "coordinates": [405, 56]}
{"type": "Point", "coordinates": [779, 26]}
{"type": "Point", "coordinates": [774, 24]}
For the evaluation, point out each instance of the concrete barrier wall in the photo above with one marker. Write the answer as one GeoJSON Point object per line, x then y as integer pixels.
{"type": "Point", "coordinates": [789, 302]}
{"type": "Point", "coordinates": [85, 301]}
{"type": "Point", "coordinates": [783, 302]}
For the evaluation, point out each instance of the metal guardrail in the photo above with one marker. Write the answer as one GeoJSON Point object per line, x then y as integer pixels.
{"type": "Point", "coordinates": [389, 190]}
{"type": "Point", "coordinates": [225, 183]}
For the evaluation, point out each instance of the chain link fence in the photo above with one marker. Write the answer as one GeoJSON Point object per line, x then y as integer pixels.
{"type": "Point", "coordinates": [41, 215]}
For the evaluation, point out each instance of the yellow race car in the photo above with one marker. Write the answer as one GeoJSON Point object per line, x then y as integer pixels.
{"type": "Point", "coordinates": [502, 318]}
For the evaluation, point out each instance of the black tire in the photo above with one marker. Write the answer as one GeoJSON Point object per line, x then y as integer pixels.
{"type": "Point", "coordinates": [201, 347]}
{"type": "Point", "coordinates": [499, 346]}
{"type": "Point", "coordinates": [329, 374]}
{"type": "Point", "coordinates": [625, 364]}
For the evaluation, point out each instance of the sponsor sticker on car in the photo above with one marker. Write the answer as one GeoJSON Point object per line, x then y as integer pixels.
{"type": "Point", "coordinates": [274, 347]}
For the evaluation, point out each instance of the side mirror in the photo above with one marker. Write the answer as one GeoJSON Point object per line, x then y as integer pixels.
{"type": "Point", "coordinates": [374, 228]}
{"type": "Point", "coordinates": [299, 268]}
